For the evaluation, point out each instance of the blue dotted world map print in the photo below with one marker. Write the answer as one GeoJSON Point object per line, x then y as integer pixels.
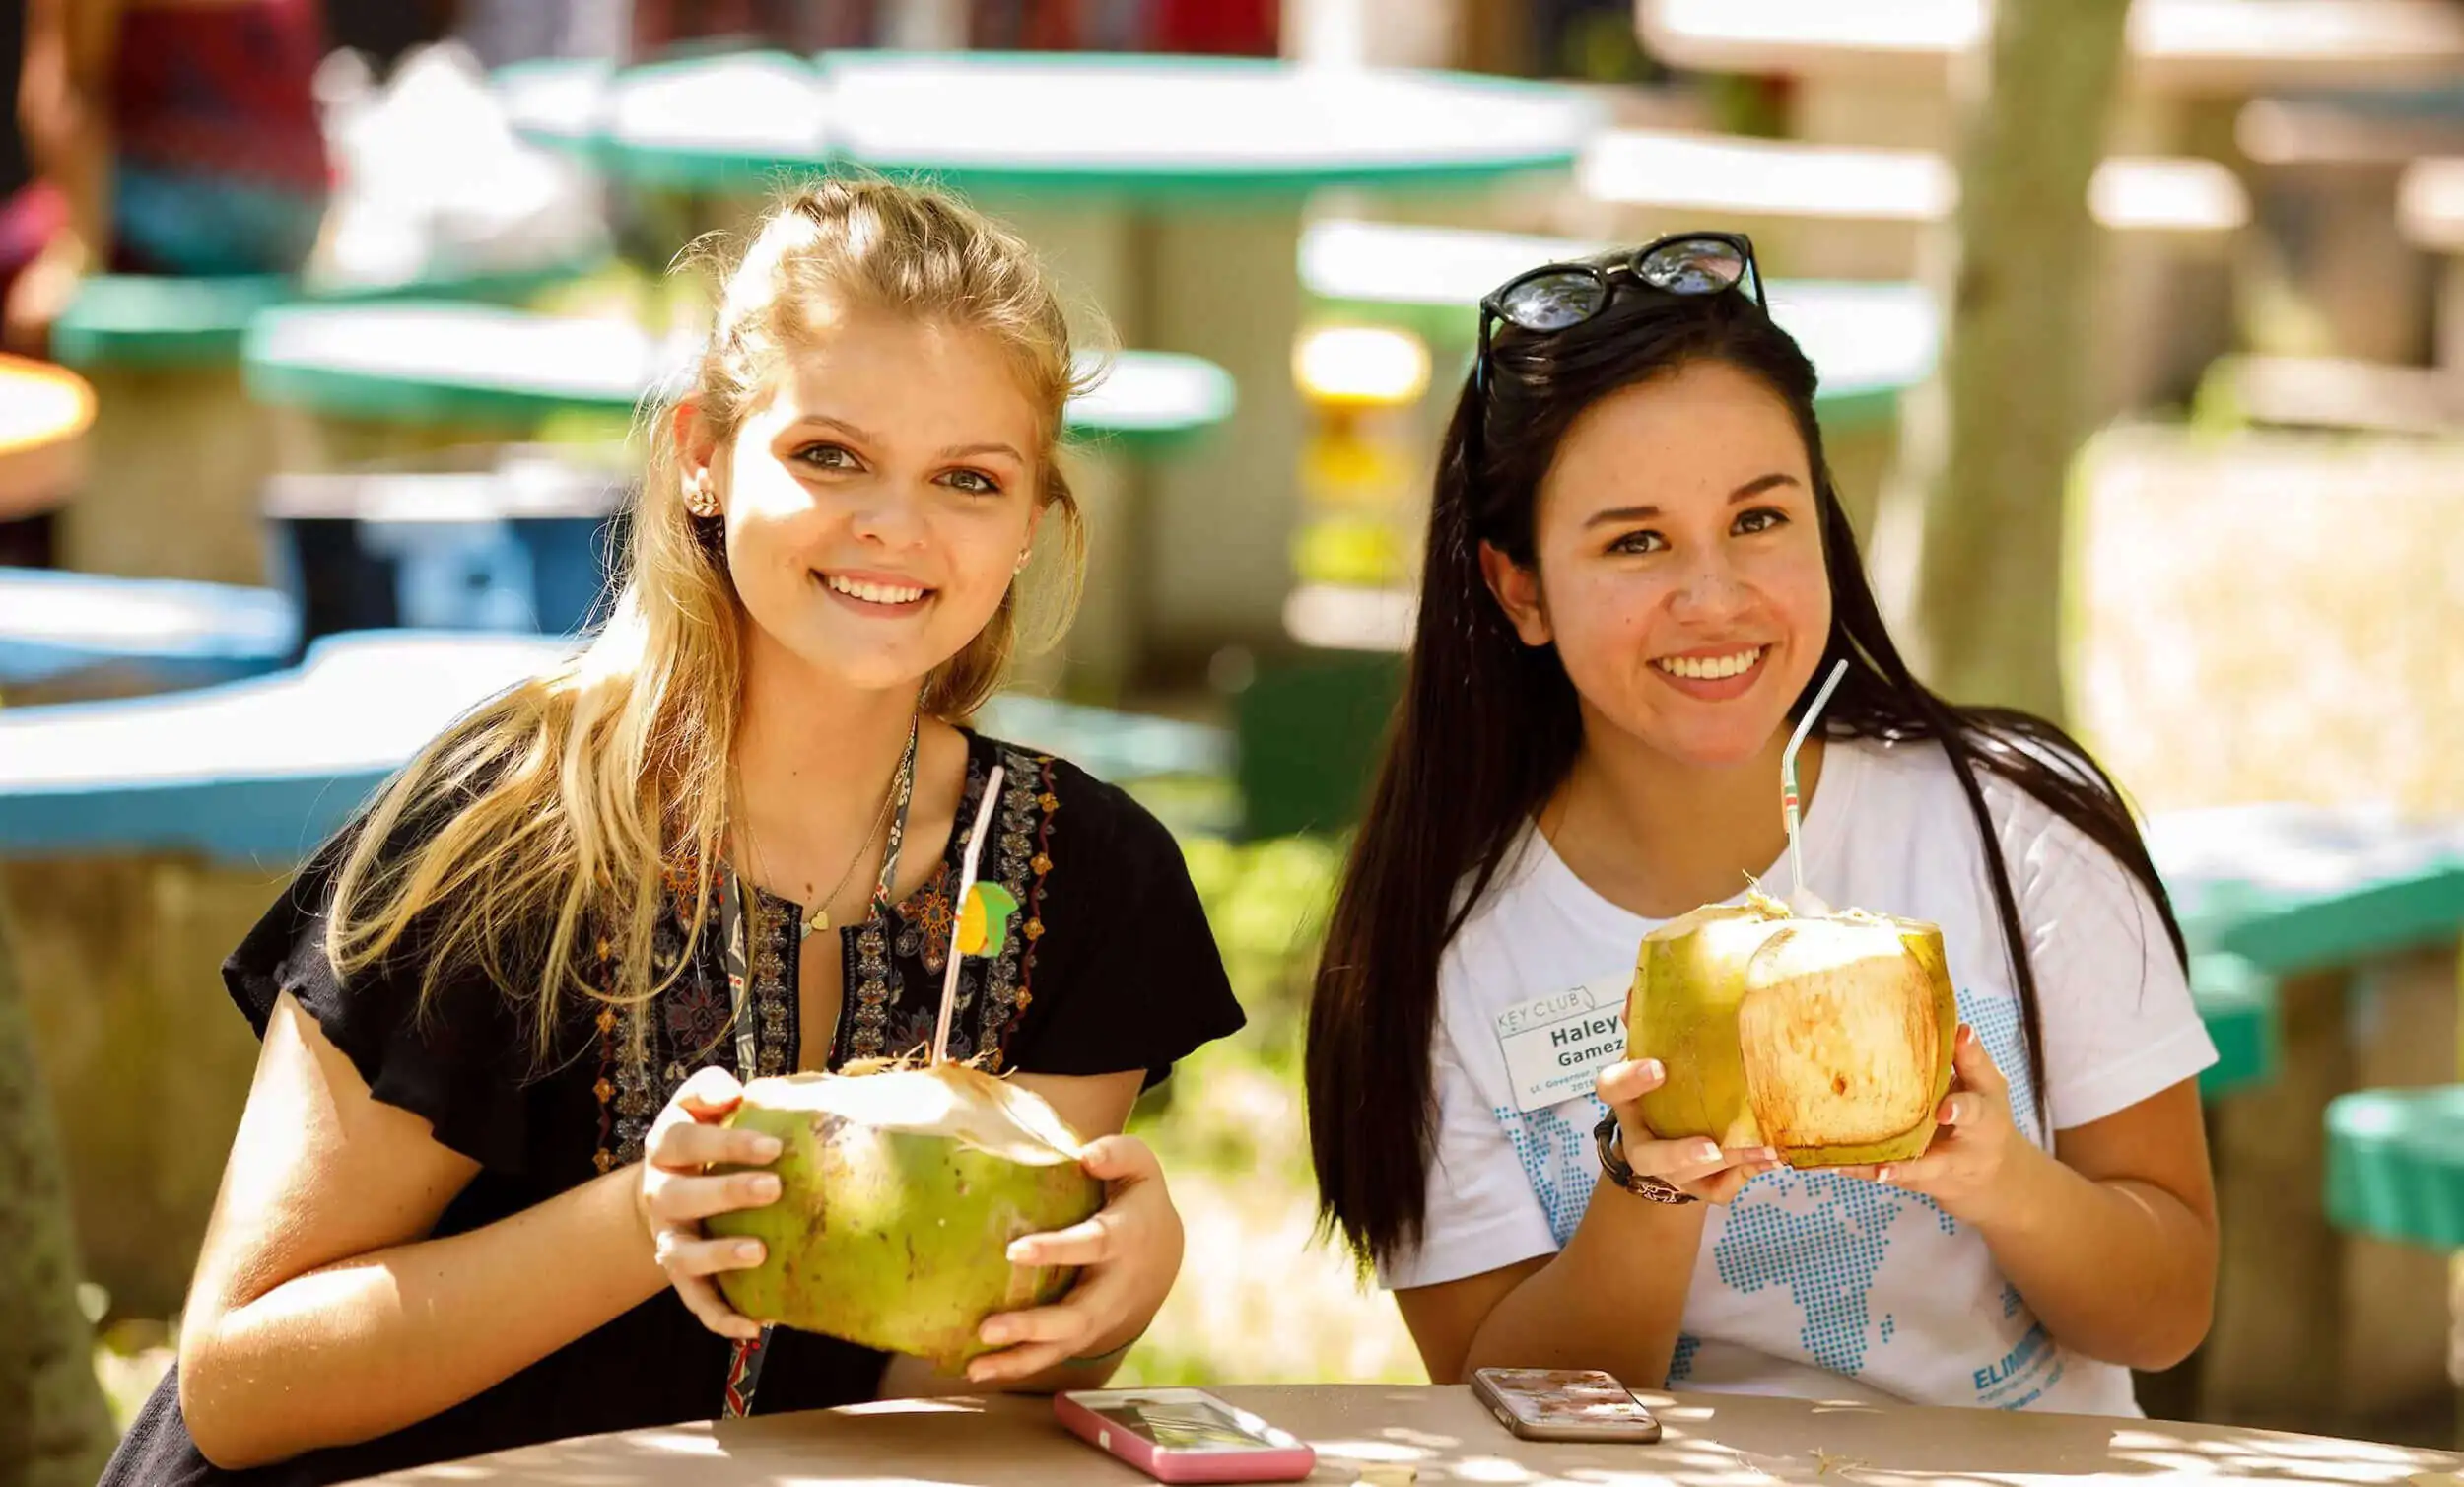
{"type": "Point", "coordinates": [1821, 1237]}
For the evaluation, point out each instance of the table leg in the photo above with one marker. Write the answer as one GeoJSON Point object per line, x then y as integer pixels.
{"type": "Point", "coordinates": [147, 1062]}
{"type": "Point", "coordinates": [178, 461]}
{"type": "Point", "coordinates": [2403, 1023]}
{"type": "Point", "coordinates": [1098, 255]}
{"type": "Point", "coordinates": [2271, 1356]}
{"type": "Point", "coordinates": [1227, 286]}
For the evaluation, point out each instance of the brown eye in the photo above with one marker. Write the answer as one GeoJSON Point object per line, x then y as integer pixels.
{"type": "Point", "coordinates": [827, 457]}
{"type": "Point", "coordinates": [1637, 544]}
{"type": "Point", "coordinates": [1760, 519]}
{"type": "Point", "coordinates": [973, 482]}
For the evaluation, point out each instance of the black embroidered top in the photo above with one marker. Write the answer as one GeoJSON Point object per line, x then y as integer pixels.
{"type": "Point", "coordinates": [1108, 965]}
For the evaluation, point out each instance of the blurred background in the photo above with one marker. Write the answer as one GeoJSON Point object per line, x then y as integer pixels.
{"type": "Point", "coordinates": [2141, 327]}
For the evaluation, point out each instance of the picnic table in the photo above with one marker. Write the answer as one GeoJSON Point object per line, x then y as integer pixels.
{"type": "Point", "coordinates": [68, 637]}
{"type": "Point", "coordinates": [1878, 71]}
{"type": "Point", "coordinates": [2432, 207]}
{"type": "Point", "coordinates": [139, 840]}
{"type": "Point", "coordinates": [45, 412]}
{"type": "Point", "coordinates": [1168, 191]}
{"type": "Point", "coordinates": [2344, 925]}
{"type": "Point", "coordinates": [179, 451]}
{"type": "Point", "coordinates": [1442, 1434]}
{"type": "Point", "coordinates": [403, 393]}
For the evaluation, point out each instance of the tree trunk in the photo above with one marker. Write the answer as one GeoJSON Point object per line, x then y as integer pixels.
{"type": "Point", "coordinates": [55, 1430]}
{"type": "Point", "coordinates": [2015, 354]}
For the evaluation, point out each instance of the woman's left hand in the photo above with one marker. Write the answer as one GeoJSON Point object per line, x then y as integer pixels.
{"type": "Point", "coordinates": [1978, 1155]}
{"type": "Point", "coordinates": [1130, 1254]}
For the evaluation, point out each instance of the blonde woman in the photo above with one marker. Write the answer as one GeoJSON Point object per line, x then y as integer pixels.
{"type": "Point", "coordinates": [463, 1209]}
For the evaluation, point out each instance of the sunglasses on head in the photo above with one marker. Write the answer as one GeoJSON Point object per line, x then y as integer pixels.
{"type": "Point", "coordinates": [1558, 297]}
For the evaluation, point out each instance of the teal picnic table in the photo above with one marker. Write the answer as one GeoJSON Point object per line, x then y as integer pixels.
{"type": "Point", "coordinates": [71, 637]}
{"type": "Point", "coordinates": [1166, 190]}
{"type": "Point", "coordinates": [2331, 935]}
{"type": "Point", "coordinates": [456, 374]}
{"type": "Point", "coordinates": [179, 452]}
{"type": "Point", "coordinates": [140, 838]}
{"type": "Point", "coordinates": [133, 867]}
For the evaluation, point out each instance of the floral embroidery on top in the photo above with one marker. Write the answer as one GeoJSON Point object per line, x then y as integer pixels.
{"type": "Point", "coordinates": [889, 1008]}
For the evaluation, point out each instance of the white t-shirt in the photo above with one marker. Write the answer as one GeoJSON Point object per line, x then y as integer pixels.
{"type": "Point", "coordinates": [1808, 1283]}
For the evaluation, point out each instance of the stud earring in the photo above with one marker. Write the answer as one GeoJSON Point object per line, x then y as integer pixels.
{"type": "Point", "coordinates": [1024, 557]}
{"type": "Point", "coordinates": [700, 500]}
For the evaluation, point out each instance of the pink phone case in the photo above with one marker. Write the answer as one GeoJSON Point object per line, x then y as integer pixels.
{"type": "Point", "coordinates": [1262, 1463]}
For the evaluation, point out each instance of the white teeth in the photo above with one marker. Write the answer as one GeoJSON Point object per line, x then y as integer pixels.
{"type": "Point", "coordinates": [1712, 668]}
{"type": "Point", "coordinates": [874, 593]}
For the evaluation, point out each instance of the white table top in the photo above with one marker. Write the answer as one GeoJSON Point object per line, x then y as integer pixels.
{"type": "Point", "coordinates": [1073, 124]}
{"type": "Point", "coordinates": [2225, 48]}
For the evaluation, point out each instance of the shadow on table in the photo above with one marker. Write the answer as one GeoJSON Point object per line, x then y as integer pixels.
{"type": "Point", "coordinates": [1750, 1441]}
{"type": "Point", "coordinates": [1722, 1443]}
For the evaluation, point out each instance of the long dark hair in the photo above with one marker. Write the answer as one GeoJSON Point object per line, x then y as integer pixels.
{"type": "Point", "coordinates": [1486, 728]}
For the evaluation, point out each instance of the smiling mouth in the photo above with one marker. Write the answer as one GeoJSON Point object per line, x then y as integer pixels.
{"type": "Point", "coordinates": [883, 595]}
{"type": "Point", "coordinates": [1712, 668]}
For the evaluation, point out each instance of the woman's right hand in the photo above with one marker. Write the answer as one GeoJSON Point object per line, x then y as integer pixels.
{"type": "Point", "coordinates": [675, 1195]}
{"type": "Point", "coordinates": [1697, 1166]}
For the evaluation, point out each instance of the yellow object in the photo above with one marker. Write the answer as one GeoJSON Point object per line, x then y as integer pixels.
{"type": "Point", "coordinates": [983, 919]}
{"type": "Point", "coordinates": [1362, 364]}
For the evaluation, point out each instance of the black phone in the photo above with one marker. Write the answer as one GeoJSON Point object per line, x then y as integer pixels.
{"type": "Point", "coordinates": [1564, 1404]}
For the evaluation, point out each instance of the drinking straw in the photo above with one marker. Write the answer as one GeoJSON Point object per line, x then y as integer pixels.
{"type": "Point", "coordinates": [966, 886]}
{"type": "Point", "coordinates": [1787, 773]}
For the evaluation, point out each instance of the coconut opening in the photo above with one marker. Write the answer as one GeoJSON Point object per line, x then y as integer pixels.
{"type": "Point", "coordinates": [950, 1101]}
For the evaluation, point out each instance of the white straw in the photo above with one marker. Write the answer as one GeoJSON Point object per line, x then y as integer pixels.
{"type": "Point", "coordinates": [1788, 775]}
{"type": "Point", "coordinates": [966, 886]}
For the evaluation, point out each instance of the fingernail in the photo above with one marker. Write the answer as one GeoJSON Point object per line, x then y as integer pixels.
{"type": "Point", "coordinates": [1021, 1254]}
{"type": "Point", "coordinates": [766, 1147]}
{"type": "Point", "coordinates": [766, 1187]}
{"type": "Point", "coordinates": [1651, 1070]}
{"type": "Point", "coordinates": [1707, 1151]}
{"type": "Point", "coordinates": [750, 1250]}
{"type": "Point", "coordinates": [993, 1334]}
{"type": "Point", "coordinates": [1771, 1154]}
{"type": "Point", "coordinates": [1882, 1173]}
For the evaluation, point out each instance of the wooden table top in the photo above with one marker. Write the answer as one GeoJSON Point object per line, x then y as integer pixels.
{"type": "Point", "coordinates": [44, 413]}
{"type": "Point", "coordinates": [1444, 1435]}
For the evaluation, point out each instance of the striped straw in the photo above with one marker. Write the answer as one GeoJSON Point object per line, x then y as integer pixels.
{"type": "Point", "coordinates": [1787, 773]}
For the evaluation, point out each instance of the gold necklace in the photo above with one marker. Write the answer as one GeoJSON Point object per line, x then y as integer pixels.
{"type": "Point", "coordinates": [818, 915]}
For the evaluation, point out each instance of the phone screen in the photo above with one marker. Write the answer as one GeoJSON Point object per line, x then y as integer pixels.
{"type": "Point", "coordinates": [1565, 1396]}
{"type": "Point", "coordinates": [1182, 1423]}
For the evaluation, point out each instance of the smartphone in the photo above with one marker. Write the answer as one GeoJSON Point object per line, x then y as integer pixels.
{"type": "Point", "coordinates": [1185, 1435]}
{"type": "Point", "coordinates": [1563, 1404]}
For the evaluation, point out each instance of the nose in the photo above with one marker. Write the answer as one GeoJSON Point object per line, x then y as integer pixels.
{"type": "Point", "coordinates": [1709, 589]}
{"type": "Point", "coordinates": [886, 514]}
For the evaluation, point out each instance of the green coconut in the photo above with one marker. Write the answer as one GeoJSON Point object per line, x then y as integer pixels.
{"type": "Point", "coordinates": [900, 1193]}
{"type": "Point", "coordinates": [1825, 1036]}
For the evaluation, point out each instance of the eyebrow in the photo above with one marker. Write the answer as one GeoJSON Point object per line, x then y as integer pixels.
{"type": "Point", "coordinates": [866, 437]}
{"type": "Point", "coordinates": [1746, 491]}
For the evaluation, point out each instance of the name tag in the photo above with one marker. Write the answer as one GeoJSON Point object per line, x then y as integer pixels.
{"type": "Point", "coordinates": [1556, 1044]}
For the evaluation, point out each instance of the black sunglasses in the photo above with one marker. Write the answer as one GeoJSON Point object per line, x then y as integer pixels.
{"type": "Point", "coordinates": [1557, 297]}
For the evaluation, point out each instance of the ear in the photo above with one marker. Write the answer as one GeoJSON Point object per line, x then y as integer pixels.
{"type": "Point", "coordinates": [697, 449]}
{"type": "Point", "coordinates": [1517, 590]}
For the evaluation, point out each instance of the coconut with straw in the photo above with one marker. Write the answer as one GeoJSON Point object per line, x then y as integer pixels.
{"type": "Point", "coordinates": [902, 1184]}
{"type": "Point", "coordinates": [1824, 1033]}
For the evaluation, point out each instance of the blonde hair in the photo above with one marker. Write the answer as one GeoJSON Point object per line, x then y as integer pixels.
{"type": "Point", "coordinates": [538, 835]}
